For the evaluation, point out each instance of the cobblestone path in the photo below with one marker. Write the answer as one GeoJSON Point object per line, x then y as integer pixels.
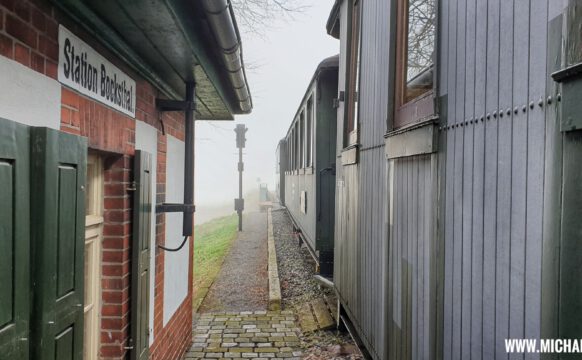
{"type": "Point", "coordinates": [247, 334]}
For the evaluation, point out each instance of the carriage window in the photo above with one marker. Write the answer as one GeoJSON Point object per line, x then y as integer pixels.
{"type": "Point", "coordinates": [297, 147]}
{"type": "Point", "coordinates": [353, 83]}
{"type": "Point", "coordinates": [415, 59]}
{"type": "Point", "coordinates": [309, 129]}
{"type": "Point", "coordinates": [302, 140]}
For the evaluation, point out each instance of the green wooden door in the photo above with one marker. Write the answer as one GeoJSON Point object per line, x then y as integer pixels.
{"type": "Point", "coordinates": [14, 240]}
{"type": "Point", "coordinates": [57, 232]}
{"type": "Point", "coordinates": [140, 274]}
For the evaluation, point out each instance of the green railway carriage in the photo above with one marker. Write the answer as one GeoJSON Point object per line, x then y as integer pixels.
{"type": "Point", "coordinates": [306, 164]}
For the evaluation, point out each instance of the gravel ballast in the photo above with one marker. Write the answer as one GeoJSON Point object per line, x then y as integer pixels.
{"type": "Point", "coordinates": [296, 271]}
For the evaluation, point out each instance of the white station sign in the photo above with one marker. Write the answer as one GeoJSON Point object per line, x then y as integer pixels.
{"type": "Point", "coordinates": [85, 70]}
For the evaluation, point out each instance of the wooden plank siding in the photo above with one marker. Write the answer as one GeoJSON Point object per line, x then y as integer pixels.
{"type": "Point", "coordinates": [361, 246]}
{"type": "Point", "coordinates": [445, 255]}
{"type": "Point", "coordinates": [494, 66]}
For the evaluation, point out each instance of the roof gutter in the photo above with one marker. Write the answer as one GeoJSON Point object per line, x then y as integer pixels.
{"type": "Point", "coordinates": [222, 22]}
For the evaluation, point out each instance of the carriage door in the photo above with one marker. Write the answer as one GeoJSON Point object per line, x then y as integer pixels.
{"type": "Point", "coordinates": [93, 238]}
{"type": "Point", "coordinates": [140, 272]}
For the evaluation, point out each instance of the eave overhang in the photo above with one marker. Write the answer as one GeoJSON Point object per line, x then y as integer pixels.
{"type": "Point", "coordinates": [170, 42]}
{"type": "Point", "coordinates": [333, 21]}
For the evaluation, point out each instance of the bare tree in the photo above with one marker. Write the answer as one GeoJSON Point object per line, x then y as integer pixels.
{"type": "Point", "coordinates": [256, 16]}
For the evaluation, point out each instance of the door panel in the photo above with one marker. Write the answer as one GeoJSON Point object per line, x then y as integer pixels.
{"type": "Point", "coordinates": [58, 212]}
{"type": "Point", "coordinates": [14, 240]}
{"type": "Point", "coordinates": [93, 238]}
{"type": "Point", "coordinates": [141, 256]}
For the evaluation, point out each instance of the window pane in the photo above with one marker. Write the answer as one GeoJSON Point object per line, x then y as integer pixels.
{"type": "Point", "coordinates": [420, 47]}
{"type": "Point", "coordinates": [309, 131]}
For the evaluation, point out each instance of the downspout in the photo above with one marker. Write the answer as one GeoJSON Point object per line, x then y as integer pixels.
{"type": "Point", "coordinates": [222, 22]}
{"type": "Point", "coordinates": [187, 208]}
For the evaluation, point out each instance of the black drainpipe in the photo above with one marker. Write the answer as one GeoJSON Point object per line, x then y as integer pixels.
{"type": "Point", "coordinates": [189, 158]}
{"type": "Point", "coordinates": [187, 208]}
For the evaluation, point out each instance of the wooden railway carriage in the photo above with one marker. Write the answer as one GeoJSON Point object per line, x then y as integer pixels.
{"type": "Point", "coordinates": [308, 165]}
{"type": "Point", "coordinates": [458, 186]}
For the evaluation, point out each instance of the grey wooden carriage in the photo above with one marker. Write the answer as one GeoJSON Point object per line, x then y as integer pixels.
{"type": "Point", "coordinates": [459, 174]}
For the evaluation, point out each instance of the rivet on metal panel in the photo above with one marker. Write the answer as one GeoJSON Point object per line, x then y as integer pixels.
{"type": "Point", "coordinates": [515, 110]}
{"type": "Point", "coordinates": [549, 99]}
{"type": "Point", "coordinates": [488, 116]}
{"type": "Point", "coordinates": [495, 114]}
{"type": "Point", "coordinates": [481, 118]}
{"type": "Point", "coordinates": [462, 124]}
{"type": "Point", "coordinates": [531, 104]}
{"type": "Point", "coordinates": [559, 97]}
{"type": "Point", "coordinates": [524, 108]}
{"type": "Point", "coordinates": [500, 113]}
{"type": "Point", "coordinates": [541, 102]}
{"type": "Point", "coordinates": [508, 111]}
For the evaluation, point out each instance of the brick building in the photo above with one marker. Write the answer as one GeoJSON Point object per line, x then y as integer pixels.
{"type": "Point", "coordinates": [129, 77]}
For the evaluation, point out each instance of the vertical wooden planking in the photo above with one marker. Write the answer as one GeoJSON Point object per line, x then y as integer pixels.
{"type": "Point", "coordinates": [490, 183]}
{"type": "Point", "coordinates": [413, 257]}
{"type": "Point", "coordinates": [467, 192]}
{"type": "Point", "coordinates": [553, 164]}
{"type": "Point", "coordinates": [478, 182]}
{"type": "Point", "coordinates": [457, 244]}
{"type": "Point", "coordinates": [443, 46]}
{"type": "Point", "coordinates": [449, 246]}
{"type": "Point", "coordinates": [459, 114]}
{"type": "Point", "coordinates": [430, 272]}
{"type": "Point", "coordinates": [504, 179]}
{"type": "Point", "coordinates": [535, 173]}
{"type": "Point", "coordinates": [420, 260]}
{"type": "Point", "coordinates": [519, 170]}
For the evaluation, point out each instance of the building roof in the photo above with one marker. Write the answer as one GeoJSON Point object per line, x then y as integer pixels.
{"type": "Point", "coordinates": [169, 42]}
{"type": "Point", "coordinates": [333, 21]}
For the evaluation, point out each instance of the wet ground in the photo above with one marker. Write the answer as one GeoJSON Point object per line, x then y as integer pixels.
{"type": "Point", "coordinates": [242, 283]}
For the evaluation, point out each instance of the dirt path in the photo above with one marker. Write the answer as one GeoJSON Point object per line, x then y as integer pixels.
{"type": "Point", "coordinates": [242, 283]}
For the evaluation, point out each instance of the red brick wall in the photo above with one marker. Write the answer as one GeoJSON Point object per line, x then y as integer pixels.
{"type": "Point", "coordinates": [29, 35]}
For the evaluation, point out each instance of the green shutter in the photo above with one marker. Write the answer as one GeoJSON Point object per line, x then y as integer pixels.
{"type": "Point", "coordinates": [58, 218]}
{"type": "Point", "coordinates": [140, 274]}
{"type": "Point", "coordinates": [14, 240]}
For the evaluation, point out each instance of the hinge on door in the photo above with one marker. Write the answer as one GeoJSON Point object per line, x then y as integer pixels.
{"type": "Point", "coordinates": [132, 187]}
{"type": "Point", "coordinates": [340, 98]}
{"type": "Point", "coordinates": [130, 347]}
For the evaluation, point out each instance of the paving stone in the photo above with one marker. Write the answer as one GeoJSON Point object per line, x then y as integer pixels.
{"type": "Point", "coordinates": [214, 355]}
{"type": "Point", "coordinates": [258, 335]}
{"type": "Point", "coordinates": [196, 354]}
{"type": "Point", "coordinates": [241, 349]}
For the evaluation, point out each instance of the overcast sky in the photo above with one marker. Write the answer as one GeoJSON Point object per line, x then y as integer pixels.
{"type": "Point", "coordinates": [287, 56]}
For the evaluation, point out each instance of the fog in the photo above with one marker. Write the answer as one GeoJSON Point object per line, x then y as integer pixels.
{"type": "Point", "coordinates": [280, 64]}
